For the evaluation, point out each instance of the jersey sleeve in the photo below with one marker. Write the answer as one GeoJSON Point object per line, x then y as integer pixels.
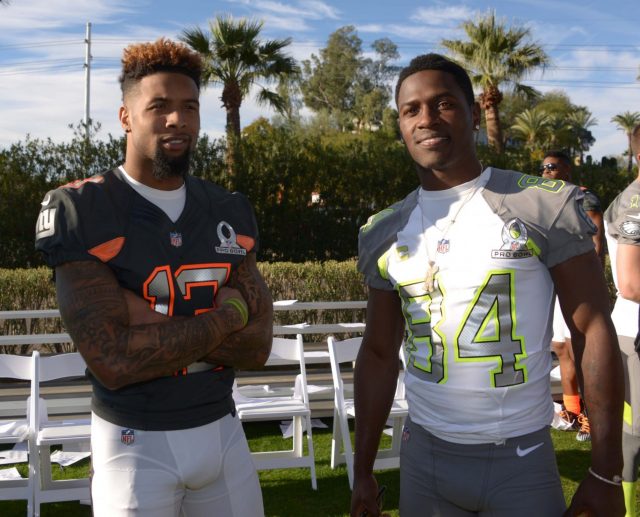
{"type": "Point", "coordinates": [249, 224]}
{"type": "Point", "coordinates": [58, 233]}
{"type": "Point", "coordinates": [591, 202]}
{"type": "Point", "coordinates": [571, 233]}
{"type": "Point", "coordinates": [376, 238]}
{"type": "Point", "coordinates": [623, 216]}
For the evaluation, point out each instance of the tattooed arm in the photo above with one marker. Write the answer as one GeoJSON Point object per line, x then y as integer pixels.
{"type": "Point", "coordinates": [250, 346]}
{"type": "Point", "coordinates": [93, 307]}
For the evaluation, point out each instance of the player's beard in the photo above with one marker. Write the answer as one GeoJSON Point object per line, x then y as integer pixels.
{"type": "Point", "coordinates": [165, 167]}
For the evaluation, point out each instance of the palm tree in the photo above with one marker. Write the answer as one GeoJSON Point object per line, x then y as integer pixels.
{"type": "Point", "coordinates": [235, 58]}
{"type": "Point", "coordinates": [578, 122]}
{"type": "Point", "coordinates": [626, 122]}
{"type": "Point", "coordinates": [533, 126]}
{"type": "Point", "coordinates": [496, 55]}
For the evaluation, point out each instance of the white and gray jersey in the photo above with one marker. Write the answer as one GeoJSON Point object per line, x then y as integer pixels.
{"type": "Point", "coordinates": [622, 226]}
{"type": "Point", "coordinates": [477, 344]}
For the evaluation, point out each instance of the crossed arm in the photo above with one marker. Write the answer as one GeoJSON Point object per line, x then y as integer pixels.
{"type": "Point", "coordinates": [120, 349]}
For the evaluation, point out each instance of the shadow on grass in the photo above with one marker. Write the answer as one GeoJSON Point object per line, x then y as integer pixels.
{"type": "Point", "coordinates": [573, 464]}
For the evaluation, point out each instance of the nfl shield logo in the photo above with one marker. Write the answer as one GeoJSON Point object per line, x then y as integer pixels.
{"type": "Point", "coordinates": [127, 436]}
{"type": "Point", "coordinates": [443, 246]}
{"type": "Point", "coordinates": [176, 239]}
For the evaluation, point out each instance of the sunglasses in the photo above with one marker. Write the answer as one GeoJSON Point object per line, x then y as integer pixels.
{"type": "Point", "coordinates": [549, 167]}
{"type": "Point", "coordinates": [379, 500]}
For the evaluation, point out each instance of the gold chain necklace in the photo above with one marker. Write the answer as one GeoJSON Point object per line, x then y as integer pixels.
{"type": "Point", "coordinates": [432, 269]}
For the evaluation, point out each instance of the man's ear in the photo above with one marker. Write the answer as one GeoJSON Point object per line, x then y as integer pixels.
{"type": "Point", "coordinates": [123, 116]}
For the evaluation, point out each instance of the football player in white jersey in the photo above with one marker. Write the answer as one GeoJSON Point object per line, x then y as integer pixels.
{"type": "Point", "coordinates": [464, 269]}
{"type": "Point", "coordinates": [622, 221]}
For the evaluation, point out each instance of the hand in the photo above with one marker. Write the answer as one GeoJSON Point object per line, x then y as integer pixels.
{"type": "Point", "coordinates": [139, 311]}
{"type": "Point", "coordinates": [364, 498]}
{"type": "Point", "coordinates": [594, 498]}
{"type": "Point", "coordinates": [230, 297]}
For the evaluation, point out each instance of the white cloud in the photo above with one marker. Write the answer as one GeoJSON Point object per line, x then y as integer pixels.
{"type": "Point", "coordinates": [305, 9]}
{"type": "Point", "coordinates": [441, 15]}
{"type": "Point", "coordinates": [320, 9]}
{"type": "Point", "coordinates": [33, 15]}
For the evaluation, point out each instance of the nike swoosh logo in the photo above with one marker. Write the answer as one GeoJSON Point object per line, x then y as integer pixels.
{"type": "Point", "coordinates": [46, 200]}
{"type": "Point", "coordinates": [523, 452]}
{"type": "Point", "coordinates": [634, 216]}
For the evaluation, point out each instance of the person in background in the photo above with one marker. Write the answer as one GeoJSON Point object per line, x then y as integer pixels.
{"type": "Point", "coordinates": [556, 165]}
{"type": "Point", "coordinates": [622, 223]}
{"type": "Point", "coordinates": [157, 284]}
{"type": "Point", "coordinates": [464, 269]}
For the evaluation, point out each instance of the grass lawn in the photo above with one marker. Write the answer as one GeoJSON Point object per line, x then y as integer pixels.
{"type": "Point", "coordinates": [288, 493]}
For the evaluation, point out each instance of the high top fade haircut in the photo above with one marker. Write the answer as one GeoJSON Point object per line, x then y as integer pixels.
{"type": "Point", "coordinates": [434, 61]}
{"type": "Point", "coordinates": [163, 55]}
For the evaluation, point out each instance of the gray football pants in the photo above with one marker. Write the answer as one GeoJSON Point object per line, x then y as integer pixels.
{"type": "Point", "coordinates": [444, 479]}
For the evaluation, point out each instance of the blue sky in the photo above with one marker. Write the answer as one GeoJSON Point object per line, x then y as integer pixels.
{"type": "Point", "coordinates": [594, 47]}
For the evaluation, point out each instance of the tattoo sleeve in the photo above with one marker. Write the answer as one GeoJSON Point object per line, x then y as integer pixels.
{"type": "Point", "coordinates": [94, 312]}
{"type": "Point", "coordinates": [250, 346]}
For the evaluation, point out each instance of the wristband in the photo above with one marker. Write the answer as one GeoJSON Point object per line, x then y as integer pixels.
{"type": "Point", "coordinates": [240, 307]}
{"type": "Point", "coordinates": [616, 481]}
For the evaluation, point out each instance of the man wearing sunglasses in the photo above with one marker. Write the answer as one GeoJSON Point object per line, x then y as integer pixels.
{"type": "Point", "coordinates": [557, 166]}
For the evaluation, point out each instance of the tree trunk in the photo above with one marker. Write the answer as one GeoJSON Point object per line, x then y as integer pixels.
{"type": "Point", "coordinates": [489, 101]}
{"type": "Point", "coordinates": [630, 162]}
{"type": "Point", "coordinates": [231, 100]}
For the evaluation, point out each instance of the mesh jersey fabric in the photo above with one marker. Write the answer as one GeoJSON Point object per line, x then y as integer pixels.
{"type": "Point", "coordinates": [177, 266]}
{"type": "Point", "coordinates": [478, 345]}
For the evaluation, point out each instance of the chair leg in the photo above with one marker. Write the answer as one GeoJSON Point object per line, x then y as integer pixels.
{"type": "Point", "coordinates": [297, 437]}
{"type": "Point", "coordinates": [312, 456]}
{"type": "Point", "coordinates": [348, 451]}
{"type": "Point", "coordinates": [396, 435]}
{"type": "Point", "coordinates": [336, 440]}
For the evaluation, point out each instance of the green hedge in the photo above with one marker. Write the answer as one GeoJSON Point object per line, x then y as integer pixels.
{"type": "Point", "coordinates": [31, 289]}
{"type": "Point", "coordinates": [22, 289]}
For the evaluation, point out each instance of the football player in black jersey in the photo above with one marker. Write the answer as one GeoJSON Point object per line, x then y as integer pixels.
{"type": "Point", "coordinates": [157, 285]}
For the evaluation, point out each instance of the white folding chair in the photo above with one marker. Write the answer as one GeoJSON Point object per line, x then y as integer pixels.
{"type": "Point", "coordinates": [292, 404]}
{"type": "Point", "coordinates": [16, 431]}
{"type": "Point", "coordinates": [346, 351]}
{"type": "Point", "coordinates": [46, 433]}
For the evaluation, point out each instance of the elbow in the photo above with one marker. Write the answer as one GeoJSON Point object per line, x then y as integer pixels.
{"type": "Point", "coordinates": [630, 291]}
{"type": "Point", "coordinates": [262, 351]}
{"type": "Point", "coordinates": [107, 378]}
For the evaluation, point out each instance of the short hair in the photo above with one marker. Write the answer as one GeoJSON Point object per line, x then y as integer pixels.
{"type": "Point", "coordinates": [635, 141]}
{"type": "Point", "coordinates": [163, 55]}
{"type": "Point", "coordinates": [434, 61]}
{"type": "Point", "coordinates": [560, 155]}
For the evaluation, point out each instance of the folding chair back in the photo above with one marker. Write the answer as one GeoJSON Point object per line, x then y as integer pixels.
{"type": "Point", "coordinates": [346, 351]}
{"type": "Point", "coordinates": [15, 431]}
{"type": "Point", "coordinates": [292, 403]}
{"type": "Point", "coordinates": [46, 432]}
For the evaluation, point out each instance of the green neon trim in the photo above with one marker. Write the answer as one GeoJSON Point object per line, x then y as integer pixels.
{"type": "Point", "coordinates": [240, 307]}
{"type": "Point", "coordinates": [374, 219]}
{"type": "Point", "coordinates": [627, 414]}
{"type": "Point", "coordinates": [532, 246]}
{"type": "Point", "coordinates": [383, 265]}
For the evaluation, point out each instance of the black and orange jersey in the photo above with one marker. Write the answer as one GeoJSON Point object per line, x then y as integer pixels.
{"type": "Point", "coordinates": [176, 266]}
